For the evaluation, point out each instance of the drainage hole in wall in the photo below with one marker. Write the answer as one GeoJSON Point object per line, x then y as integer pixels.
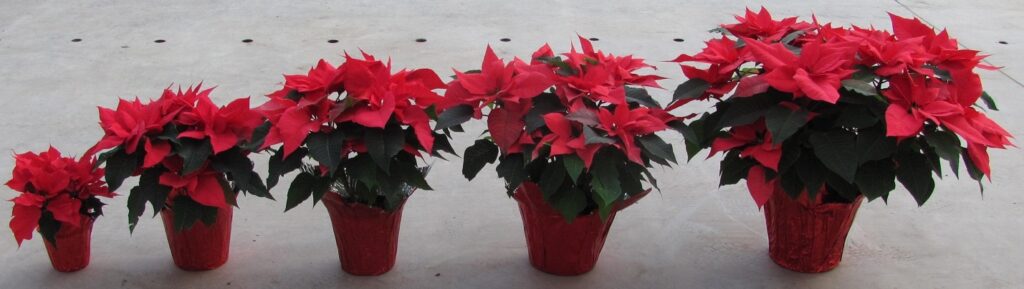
{"type": "Point", "coordinates": [678, 40]}
{"type": "Point", "coordinates": [505, 39]}
{"type": "Point", "coordinates": [1003, 42]}
{"type": "Point", "coordinates": [594, 39]}
{"type": "Point", "coordinates": [76, 40]}
{"type": "Point", "coordinates": [246, 40]}
{"type": "Point", "coordinates": [159, 41]}
{"type": "Point", "coordinates": [332, 41]}
{"type": "Point", "coordinates": [421, 40]}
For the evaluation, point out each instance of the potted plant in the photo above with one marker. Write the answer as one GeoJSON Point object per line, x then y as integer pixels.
{"type": "Point", "coordinates": [572, 155]}
{"type": "Point", "coordinates": [192, 158]}
{"type": "Point", "coordinates": [59, 198]}
{"type": "Point", "coordinates": [364, 127]}
{"type": "Point", "coordinates": [823, 116]}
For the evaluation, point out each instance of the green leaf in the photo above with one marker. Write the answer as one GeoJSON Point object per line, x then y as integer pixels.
{"type": "Point", "coordinates": [326, 147]}
{"type": "Point", "coordinates": [238, 165]}
{"type": "Point", "coordinates": [453, 116]}
{"type": "Point", "coordinates": [872, 144]}
{"type": "Point", "coordinates": [364, 170]}
{"type": "Point", "coordinates": [811, 172]}
{"type": "Point", "coordinates": [605, 181]}
{"type": "Point", "coordinates": [641, 97]}
{"type": "Point", "coordinates": [573, 165]}
{"type": "Point", "coordinates": [170, 134]}
{"type": "Point", "coordinates": [149, 189]}
{"type": "Point", "coordinates": [691, 89]}
{"type": "Point", "coordinates": [569, 203]}
{"type": "Point", "coordinates": [300, 190]}
{"type": "Point", "coordinates": [946, 144]}
{"type": "Point", "coordinates": [837, 151]}
{"type": "Point", "coordinates": [915, 174]}
{"type": "Point", "coordinates": [989, 101]}
{"type": "Point", "coordinates": [48, 227]}
{"type": "Point", "coordinates": [860, 86]}
{"type": "Point", "coordinates": [791, 36]}
{"type": "Point", "coordinates": [733, 168]}
{"type": "Point", "coordinates": [544, 103]}
{"type": "Point", "coordinates": [411, 174]}
{"type": "Point", "coordinates": [552, 178]}
{"type": "Point", "coordinates": [742, 111]}
{"type": "Point", "coordinates": [280, 166]}
{"type": "Point", "coordinates": [876, 179]}
{"type": "Point", "coordinates": [188, 211]}
{"type": "Point", "coordinates": [194, 154]}
{"type": "Point", "coordinates": [857, 116]}
{"type": "Point", "coordinates": [657, 147]}
{"type": "Point", "coordinates": [119, 166]}
{"type": "Point", "coordinates": [513, 170]}
{"type": "Point", "coordinates": [972, 170]}
{"type": "Point", "coordinates": [591, 137]}
{"type": "Point", "coordinates": [783, 122]}
{"type": "Point", "coordinates": [259, 135]}
{"type": "Point", "coordinates": [481, 153]}
{"type": "Point", "coordinates": [384, 144]}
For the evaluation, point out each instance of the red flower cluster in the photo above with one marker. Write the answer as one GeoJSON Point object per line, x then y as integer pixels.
{"type": "Point", "coordinates": [373, 95]}
{"type": "Point", "coordinates": [590, 87]}
{"type": "Point", "coordinates": [924, 76]}
{"type": "Point", "coordinates": [59, 185]}
{"type": "Point", "coordinates": [156, 128]}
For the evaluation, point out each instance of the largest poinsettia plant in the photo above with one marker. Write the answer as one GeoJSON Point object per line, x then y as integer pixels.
{"type": "Point", "coordinates": [56, 191]}
{"type": "Point", "coordinates": [364, 127]}
{"type": "Point", "coordinates": [848, 111]}
{"type": "Point", "coordinates": [191, 155]}
{"type": "Point", "coordinates": [579, 125]}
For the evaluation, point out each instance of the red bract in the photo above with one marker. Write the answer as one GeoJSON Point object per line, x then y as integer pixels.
{"type": "Point", "coordinates": [914, 100]}
{"type": "Point", "coordinates": [49, 182]}
{"type": "Point", "coordinates": [761, 26]}
{"type": "Point", "coordinates": [626, 125]}
{"type": "Point", "coordinates": [496, 81]}
{"type": "Point", "coordinates": [592, 75]}
{"type": "Point", "coordinates": [819, 92]}
{"type": "Point", "coordinates": [225, 127]}
{"type": "Point", "coordinates": [596, 125]}
{"type": "Point", "coordinates": [188, 143]}
{"type": "Point", "coordinates": [816, 73]}
{"type": "Point", "coordinates": [202, 186]}
{"type": "Point", "coordinates": [373, 96]}
{"type": "Point", "coordinates": [755, 142]}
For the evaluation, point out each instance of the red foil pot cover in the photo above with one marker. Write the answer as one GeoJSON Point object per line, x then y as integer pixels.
{"type": "Point", "coordinates": [72, 250]}
{"type": "Point", "coordinates": [806, 236]}
{"type": "Point", "coordinates": [367, 237]}
{"type": "Point", "coordinates": [559, 247]}
{"type": "Point", "coordinates": [200, 247]}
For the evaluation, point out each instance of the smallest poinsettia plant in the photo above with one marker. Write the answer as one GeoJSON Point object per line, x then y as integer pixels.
{"type": "Point", "coordinates": [56, 191]}
{"type": "Point", "coordinates": [579, 125]}
{"type": "Point", "coordinates": [191, 155]}
{"type": "Point", "coordinates": [363, 126]}
{"type": "Point", "coordinates": [839, 112]}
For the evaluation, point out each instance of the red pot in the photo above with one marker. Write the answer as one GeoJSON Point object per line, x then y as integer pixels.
{"type": "Point", "coordinates": [367, 237]}
{"type": "Point", "coordinates": [556, 246]}
{"type": "Point", "coordinates": [806, 236]}
{"type": "Point", "coordinates": [72, 250]}
{"type": "Point", "coordinates": [200, 247]}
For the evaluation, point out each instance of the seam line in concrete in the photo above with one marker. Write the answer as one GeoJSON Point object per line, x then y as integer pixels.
{"type": "Point", "coordinates": [1001, 71]}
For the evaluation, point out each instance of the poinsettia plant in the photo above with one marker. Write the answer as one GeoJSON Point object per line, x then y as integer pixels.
{"type": "Point", "coordinates": [191, 155]}
{"type": "Point", "coordinates": [579, 125]}
{"type": "Point", "coordinates": [56, 191]}
{"type": "Point", "coordinates": [847, 111]}
{"type": "Point", "coordinates": [362, 125]}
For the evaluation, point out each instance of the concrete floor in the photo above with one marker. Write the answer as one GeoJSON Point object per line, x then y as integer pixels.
{"type": "Point", "coordinates": [468, 234]}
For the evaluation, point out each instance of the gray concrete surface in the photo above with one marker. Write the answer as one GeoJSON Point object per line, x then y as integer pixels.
{"type": "Point", "coordinates": [468, 234]}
